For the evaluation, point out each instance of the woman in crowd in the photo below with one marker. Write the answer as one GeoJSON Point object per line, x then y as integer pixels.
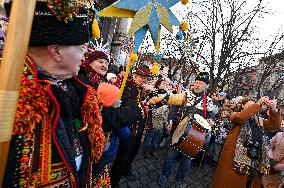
{"type": "Point", "coordinates": [111, 78]}
{"type": "Point", "coordinates": [93, 72]}
{"type": "Point", "coordinates": [276, 154]}
{"type": "Point", "coordinates": [244, 156]}
{"type": "Point", "coordinates": [159, 120]}
{"type": "Point", "coordinates": [220, 131]}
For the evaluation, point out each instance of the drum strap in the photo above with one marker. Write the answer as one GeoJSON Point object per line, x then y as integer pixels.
{"type": "Point", "coordinates": [204, 105]}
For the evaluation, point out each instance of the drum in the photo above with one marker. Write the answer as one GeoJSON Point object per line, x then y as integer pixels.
{"type": "Point", "coordinates": [190, 135]}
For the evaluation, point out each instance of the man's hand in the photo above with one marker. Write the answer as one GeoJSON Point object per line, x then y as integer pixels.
{"type": "Point", "coordinates": [215, 97]}
{"type": "Point", "coordinates": [147, 87]}
{"type": "Point", "coordinates": [169, 127]}
{"type": "Point", "coordinates": [211, 122]}
{"type": "Point", "coordinates": [151, 101]}
{"type": "Point", "coordinates": [263, 100]}
{"type": "Point", "coordinates": [272, 104]}
{"type": "Point", "coordinates": [147, 108]}
{"type": "Point", "coordinates": [178, 89]}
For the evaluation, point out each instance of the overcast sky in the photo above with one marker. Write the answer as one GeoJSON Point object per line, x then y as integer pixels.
{"type": "Point", "coordinates": [274, 22]}
{"type": "Point", "coordinates": [268, 26]}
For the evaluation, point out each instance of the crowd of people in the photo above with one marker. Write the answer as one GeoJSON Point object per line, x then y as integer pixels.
{"type": "Point", "coordinates": [73, 130]}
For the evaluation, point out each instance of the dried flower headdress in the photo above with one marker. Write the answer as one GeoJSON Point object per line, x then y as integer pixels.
{"type": "Point", "coordinates": [66, 10]}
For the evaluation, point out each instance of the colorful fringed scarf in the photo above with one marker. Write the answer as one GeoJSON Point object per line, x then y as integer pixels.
{"type": "Point", "coordinates": [243, 164]}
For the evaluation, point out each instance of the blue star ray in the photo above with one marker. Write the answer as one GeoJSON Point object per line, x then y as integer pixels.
{"type": "Point", "coordinates": [154, 24]}
{"type": "Point", "coordinates": [130, 5]}
{"type": "Point", "coordinates": [173, 18]}
{"type": "Point", "coordinates": [139, 36]}
{"type": "Point", "coordinates": [167, 3]}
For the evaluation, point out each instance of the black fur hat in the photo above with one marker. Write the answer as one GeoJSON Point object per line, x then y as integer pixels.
{"type": "Point", "coordinates": [47, 29]}
{"type": "Point", "coordinates": [204, 77]}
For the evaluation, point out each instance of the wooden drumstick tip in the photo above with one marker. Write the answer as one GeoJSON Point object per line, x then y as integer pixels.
{"type": "Point", "coordinates": [184, 101]}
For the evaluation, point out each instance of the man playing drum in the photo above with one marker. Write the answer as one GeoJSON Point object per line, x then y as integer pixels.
{"type": "Point", "coordinates": [198, 108]}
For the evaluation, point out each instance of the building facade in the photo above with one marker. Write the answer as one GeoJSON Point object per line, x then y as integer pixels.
{"type": "Point", "coordinates": [113, 30]}
{"type": "Point", "coordinates": [266, 78]}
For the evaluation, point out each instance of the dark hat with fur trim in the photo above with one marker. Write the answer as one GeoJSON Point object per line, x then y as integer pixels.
{"type": "Point", "coordinates": [58, 22]}
{"type": "Point", "coordinates": [143, 70]}
{"type": "Point", "coordinates": [204, 77]}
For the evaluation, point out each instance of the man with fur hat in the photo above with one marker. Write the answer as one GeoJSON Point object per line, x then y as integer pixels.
{"type": "Point", "coordinates": [128, 149]}
{"type": "Point", "coordinates": [58, 135]}
{"type": "Point", "coordinates": [198, 103]}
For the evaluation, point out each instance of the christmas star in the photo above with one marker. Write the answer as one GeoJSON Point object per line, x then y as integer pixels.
{"type": "Point", "coordinates": [147, 15]}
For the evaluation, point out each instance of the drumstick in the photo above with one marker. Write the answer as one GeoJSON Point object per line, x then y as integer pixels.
{"type": "Point", "coordinates": [202, 159]}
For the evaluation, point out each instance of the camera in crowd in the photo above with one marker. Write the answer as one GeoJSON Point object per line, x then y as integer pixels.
{"type": "Point", "coordinates": [254, 148]}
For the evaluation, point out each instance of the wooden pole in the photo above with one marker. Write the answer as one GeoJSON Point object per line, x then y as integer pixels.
{"type": "Point", "coordinates": [15, 50]}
